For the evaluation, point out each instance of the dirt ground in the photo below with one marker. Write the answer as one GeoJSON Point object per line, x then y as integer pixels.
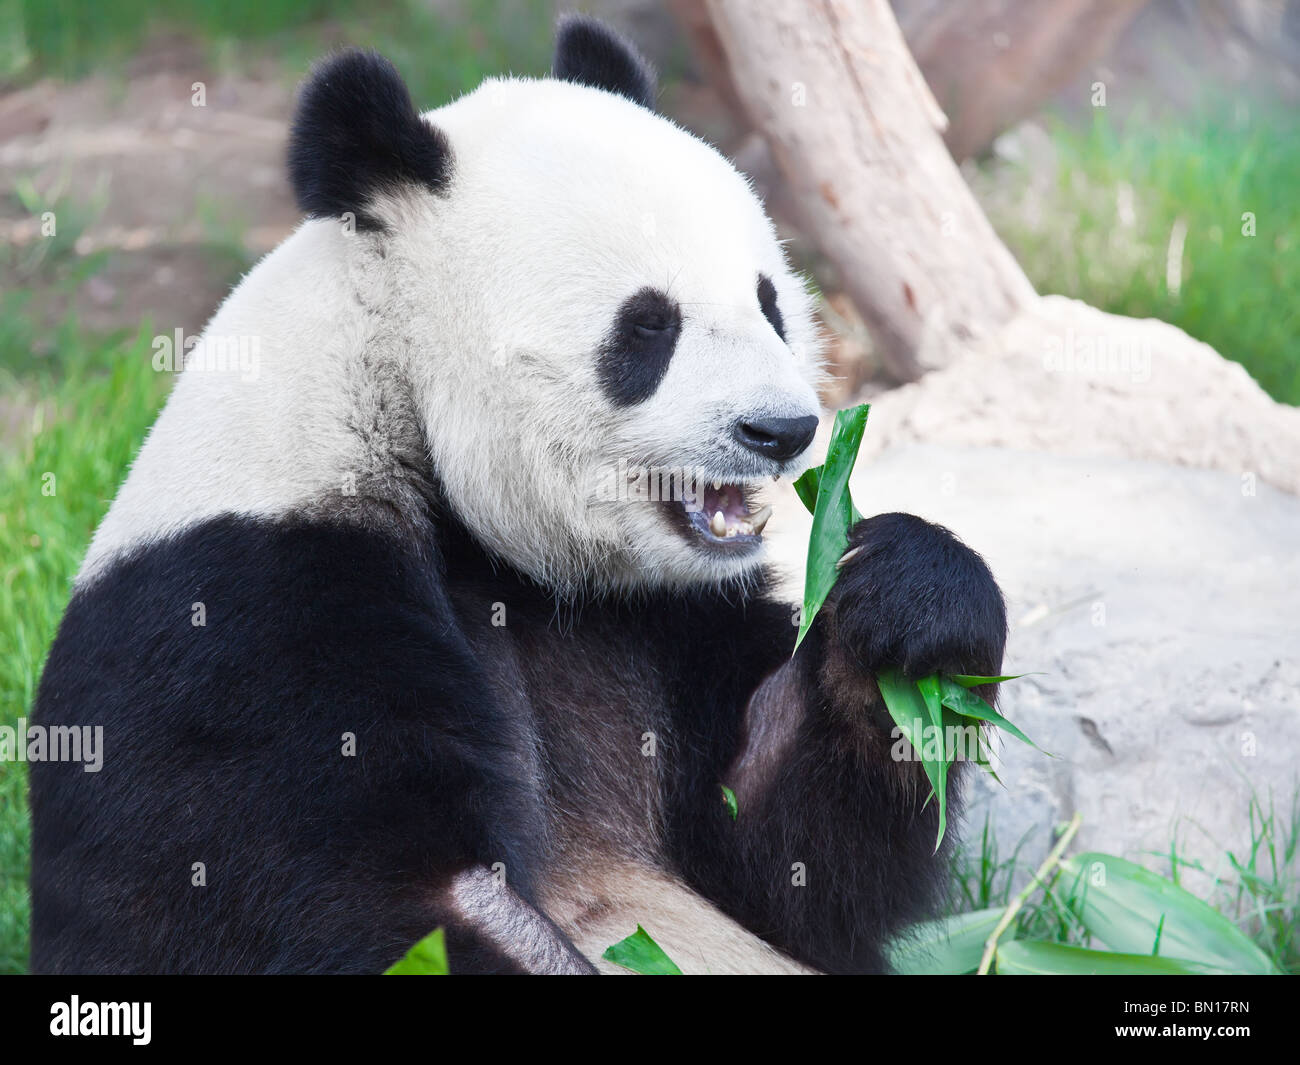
{"type": "Point", "coordinates": [183, 197]}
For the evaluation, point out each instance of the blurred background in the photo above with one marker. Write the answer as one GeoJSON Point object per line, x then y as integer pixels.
{"type": "Point", "coordinates": [97, 123]}
{"type": "Point", "coordinates": [1136, 156]}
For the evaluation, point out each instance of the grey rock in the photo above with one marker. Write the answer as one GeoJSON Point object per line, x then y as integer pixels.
{"type": "Point", "coordinates": [1160, 609]}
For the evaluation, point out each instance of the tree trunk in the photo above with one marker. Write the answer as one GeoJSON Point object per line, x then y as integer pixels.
{"type": "Point", "coordinates": [855, 130]}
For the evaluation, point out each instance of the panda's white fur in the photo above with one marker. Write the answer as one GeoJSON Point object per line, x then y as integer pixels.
{"type": "Point", "coordinates": [485, 306]}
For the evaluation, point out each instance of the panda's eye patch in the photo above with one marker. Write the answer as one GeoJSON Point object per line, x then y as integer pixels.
{"type": "Point", "coordinates": [767, 304]}
{"type": "Point", "coordinates": [639, 345]}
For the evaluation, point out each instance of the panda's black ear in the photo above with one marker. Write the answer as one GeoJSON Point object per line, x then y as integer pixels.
{"type": "Point", "coordinates": [590, 53]}
{"type": "Point", "coordinates": [356, 133]}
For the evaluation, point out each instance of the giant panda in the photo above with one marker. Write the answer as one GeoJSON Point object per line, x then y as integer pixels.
{"type": "Point", "coordinates": [380, 645]}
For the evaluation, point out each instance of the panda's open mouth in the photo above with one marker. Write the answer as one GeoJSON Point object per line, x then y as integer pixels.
{"type": "Point", "coordinates": [722, 516]}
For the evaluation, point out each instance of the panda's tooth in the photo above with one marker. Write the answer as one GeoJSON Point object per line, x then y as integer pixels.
{"type": "Point", "coordinates": [757, 521]}
{"type": "Point", "coordinates": [719, 524]}
{"type": "Point", "coordinates": [848, 556]}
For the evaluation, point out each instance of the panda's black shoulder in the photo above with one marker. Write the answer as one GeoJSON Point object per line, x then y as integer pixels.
{"type": "Point", "coordinates": [275, 698]}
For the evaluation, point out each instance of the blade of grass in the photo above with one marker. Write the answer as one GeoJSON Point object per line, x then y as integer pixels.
{"type": "Point", "coordinates": [1039, 877]}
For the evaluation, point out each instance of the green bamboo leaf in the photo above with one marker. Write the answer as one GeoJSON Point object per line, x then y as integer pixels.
{"type": "Point", "coordinates": [1026, 958]}
{"type": "Point", "coordinates": [833, 513]}
{"type": "Point", "coordinates": [949, 946]}
{"type": "Point", "coordinates": [806, 487]}
{"type": "Point", "coordinates": [933, 699]}
{"type": "Point", "coordinates": [427, 958]}
{"type": "Point", "coordinates": [971, 680]}
{"type": "Point", "coordinates": [641, 954]}
{"type": "Point", "coordinates": [1133, 909]}
{"type": "Point", "coordinates": [933, 696]}
{"type": "Point", "coordinates": [729, 801]}
{"type": "Point", "coordinates": [968, 704]}
{"type": "Point", "coordinates": [982, 755]}
{"type": "Point", "coordinates": [911, 713]}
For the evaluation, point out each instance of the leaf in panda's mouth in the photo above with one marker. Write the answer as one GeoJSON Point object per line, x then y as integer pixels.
{"type": "Point", "coordinates": [824, 490]}
{"type": "Point", "coordinates": [721, 515]}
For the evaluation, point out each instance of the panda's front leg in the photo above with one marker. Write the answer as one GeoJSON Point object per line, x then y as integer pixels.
{"type": "Point", "coordinates": [833, 850]}
{"type": "Point", "coordinates": [911, 596]}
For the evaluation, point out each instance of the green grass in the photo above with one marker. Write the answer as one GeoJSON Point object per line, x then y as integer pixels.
{"type": "Point", "coordinates": [75, 406]}
{"type": "Point", "coordinates": [69, 38]}
{"type": "Point", "coordinates": [984, 879]}
{"type": "Point", "coordinates": [1264, 884]}
{"type": "Point", "coordinates": [1099, 228]}
{"type": "Point", "coordinates": [439, 56]}
{"type": "Point", "coordinates": [84, 416]}
{"type": "Point", "coordinates": [1261, 893]}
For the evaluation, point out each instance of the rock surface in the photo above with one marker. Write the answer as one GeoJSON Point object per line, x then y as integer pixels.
{"type": "Point", "coordinates": [1067, 378]}
{"type": "Point", "coordinates": [1161, 608]}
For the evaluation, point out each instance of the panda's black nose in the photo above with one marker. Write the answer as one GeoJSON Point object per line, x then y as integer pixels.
{"type": "Point", "coordinates": [776, 438]}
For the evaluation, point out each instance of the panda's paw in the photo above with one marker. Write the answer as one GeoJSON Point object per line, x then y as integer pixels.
{"type": "Point", "coordinates": [910, 595]}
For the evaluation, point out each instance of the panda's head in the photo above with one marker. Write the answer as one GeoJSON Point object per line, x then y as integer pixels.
{"type": "Point", "coordinates": [587, 306]}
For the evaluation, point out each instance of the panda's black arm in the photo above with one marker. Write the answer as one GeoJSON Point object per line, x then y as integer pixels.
{"type": "Point", "coordinates": [310, 782]}
{"type": "Point", "coordinates": [832, 850]}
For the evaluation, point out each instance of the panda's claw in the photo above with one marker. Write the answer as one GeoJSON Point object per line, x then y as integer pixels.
{"type": "Point", "coordinates": [848, 556]}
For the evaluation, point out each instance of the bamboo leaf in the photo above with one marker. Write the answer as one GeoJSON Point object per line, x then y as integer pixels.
{"type": "Point", "coordinates": [911, 713]}
{"type": "Point", "coordinates": [641, 954]}
{"type": "Point", "coordinates": [971, 680]}
{"type": "Point", "coordinates": [982, 755]}
{"type": "Point", "coordinates": [806, 487]}
{"type": "Point", "coordinates": [947, 947]}
{"type": "Point", "coordinates": [1027, 958]}
{"type": "Point", "coordinates": [833, 512]}
{"type": "Point", "coordinates": [427, 958]}
{"type": "Point", "coordinates": [933, 699]}
{"type": "Point", "coordinates": [1133, 909]}
{"type": "Point", "coordinates": [968, 704]}
{"type": "Point", "coordinates": [729, 801]}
